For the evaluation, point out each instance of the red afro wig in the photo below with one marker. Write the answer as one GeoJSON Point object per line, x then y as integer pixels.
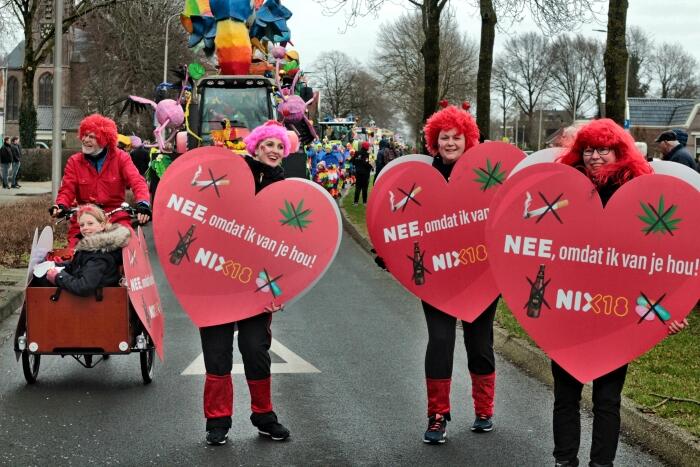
{"type": "Point", "coordinates": [448, 119]}
{"type": "Point", "coordinates": [605, 132]}
{"type": "Point", "coordinates": [104, 128]}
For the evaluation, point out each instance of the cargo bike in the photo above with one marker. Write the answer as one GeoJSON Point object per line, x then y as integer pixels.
{"type": "Point", "coordinates": [115, 321]}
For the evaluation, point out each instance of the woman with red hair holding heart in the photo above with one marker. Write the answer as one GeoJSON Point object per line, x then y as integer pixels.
{"type": "Point", "coordinates": [268, 144]}
{"type": "Point", "coordinates": [605, 153]}
{"type": "Point", "coordinates": [449, 133]}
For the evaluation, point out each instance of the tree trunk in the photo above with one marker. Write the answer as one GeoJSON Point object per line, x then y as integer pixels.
{"type": "Point", "coordinates": [615, 59]}
{"type": "Point", "coordinates": [27, 111]}
{"type": "Point", "coordinates": [431, 57]}
{"type": "Point", "coordinates": [483, 75]}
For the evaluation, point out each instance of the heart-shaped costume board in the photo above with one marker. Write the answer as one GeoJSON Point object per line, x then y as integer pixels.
{"type": "Point", "coordinates": [143, 292]}
{"type": "Point", "coordinates": [227, 252]}
{"type": "Point", "coordinates": [594, 288]}
{"type": "Point", "coordinates": [430, 233]}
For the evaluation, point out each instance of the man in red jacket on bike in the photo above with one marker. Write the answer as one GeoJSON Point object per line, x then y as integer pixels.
{"type": "Point", "coordinates": [100, 174]}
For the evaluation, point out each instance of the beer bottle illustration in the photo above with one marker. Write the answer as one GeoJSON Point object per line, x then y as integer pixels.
{"type": "Point", "coordinates": [534, 303]}
{"type": "Point", "coordinates": [418, 268]}
{"type": "Point", "coordinates": [180, 250]}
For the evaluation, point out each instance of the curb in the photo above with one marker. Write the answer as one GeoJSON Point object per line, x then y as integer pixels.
{"type": "Point", "coordinates": [10, 301]}
{"type": "Point", "coordinates": [669, 442]}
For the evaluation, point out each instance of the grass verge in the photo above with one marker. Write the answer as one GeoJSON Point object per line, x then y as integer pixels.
{"type": "Point", "coordinates": [670, 370]}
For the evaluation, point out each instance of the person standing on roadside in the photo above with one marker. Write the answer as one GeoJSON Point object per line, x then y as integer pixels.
{"type": "Point", "coordinates": [5, 161]}
{"type": "Point", "coordinates": [362, 171]}
{"type": "Point", "coordinates": [673, 150]}
{"type": "Point", "coordinates": [16, 156]}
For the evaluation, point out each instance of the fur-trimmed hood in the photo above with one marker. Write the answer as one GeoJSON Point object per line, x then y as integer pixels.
{"type": "Point", "coordinates": [116, 237]}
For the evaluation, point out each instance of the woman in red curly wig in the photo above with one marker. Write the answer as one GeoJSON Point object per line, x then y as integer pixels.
{"type": "Point", "coordinates": [449, 133]}
{"type": "Point", "coordinates": [607, 155]}
{"type": "Point", "coordinates": [100, 174]}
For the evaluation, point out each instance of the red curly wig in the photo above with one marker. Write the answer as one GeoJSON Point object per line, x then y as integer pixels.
{"type": "Point", "coordinates": [447, 119]}
{"type": "Point", "coordinates": [629, 162]}
{"type": "Point", "coordinates": [104, 128]}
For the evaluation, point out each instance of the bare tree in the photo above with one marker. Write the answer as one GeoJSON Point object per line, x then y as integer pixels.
{"type": "Point", "coordinates": [593, 57]}
{"type": "Point", "coordinates": [125, 69]}
{"type": "Point", "coordinates": [675, 71]}
{"type": "Point", "coordinates": [640, 47]}
{"type": "Point", "coordinates": [334, 74]}
{"type": "Point", "coordinates": [39, 40]}
{"type": "Point", "coordinates": [570, 74]}
{"type": "Point", "coordinates": [528, 75]}
{"type": "Point", "coordinates": [552, 16]}
{"type": "Point", "coordinates": [615, 60]}
{"type": "Point", "coordinates": [370, 103]}
{"type": "Point", "coordinates": [431, 11]}
{"type": "Point", "coordinates": [501, 87]}
{"type": "Point", "coordinates": [401, 67]}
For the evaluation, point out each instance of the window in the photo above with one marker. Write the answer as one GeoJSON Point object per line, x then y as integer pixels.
{"type": "Point", "coordinates": [12, 98]}
{"type": "Point", "coordinates": [697, 146]}
{"type": "Point", "coordinates": [46, 89]}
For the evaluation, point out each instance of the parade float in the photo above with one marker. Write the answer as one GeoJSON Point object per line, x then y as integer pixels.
{"type": "Point", "coordinates": [259, 78]}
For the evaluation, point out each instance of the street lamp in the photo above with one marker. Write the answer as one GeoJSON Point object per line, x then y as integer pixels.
{"type": "Point", "coordinates": [165, 54]}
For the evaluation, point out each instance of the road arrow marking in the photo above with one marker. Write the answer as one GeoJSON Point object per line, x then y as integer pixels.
{"type": "Point", "coordinates": [293, 363]}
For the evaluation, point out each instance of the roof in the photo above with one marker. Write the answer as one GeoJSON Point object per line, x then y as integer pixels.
{"type": "Point", "coordinates": [659, 112]}
{"type": "Point", "coordinates": [71, 117]}
{"type": "Point", "coordinates": [15, 59]}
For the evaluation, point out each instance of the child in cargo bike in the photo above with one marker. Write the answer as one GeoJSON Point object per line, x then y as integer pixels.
{"type": "Point", "coordinates": [98, 255]}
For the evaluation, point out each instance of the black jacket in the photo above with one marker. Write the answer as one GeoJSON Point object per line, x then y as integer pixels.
{"type": "Point", "coordinates": [263, 174]}
{"type": "Point", "coordinates": [5, 154]}
{"type": "Point", "coordinates": [681, 155]}
{"type": "Point", "coordinates": [16, 152]}
{"type": "Point", "coordinates": [361, 163]}
{"type": "Point", "coordinates": [444, 169]}
{"type": "Point", "coordinates": [96, 262]}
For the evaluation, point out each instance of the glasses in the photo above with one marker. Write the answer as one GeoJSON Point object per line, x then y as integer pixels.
{"type": "Point", "coordinates": [588, 152]}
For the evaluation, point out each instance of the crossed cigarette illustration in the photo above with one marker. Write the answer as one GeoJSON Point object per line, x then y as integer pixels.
{"type": "Point", "coordinates": [404, 200]}
{"type": "Point", "coordinates": [539, 211]}
{"type": "Point", "coordinates": [206, 183]}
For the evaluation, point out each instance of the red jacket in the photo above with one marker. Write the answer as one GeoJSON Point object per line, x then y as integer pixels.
{"type": "Point", "coordinates": [82, 184]}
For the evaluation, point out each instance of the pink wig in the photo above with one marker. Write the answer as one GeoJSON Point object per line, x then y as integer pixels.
{"type": "Point", "coordinates": [105, 130]}
{"type": "Point", "coordinates": [450, 118]}
{"type": "Point", "coordinates": [269, 129]}
{"type": "Point", "coordinates": [629, 162]}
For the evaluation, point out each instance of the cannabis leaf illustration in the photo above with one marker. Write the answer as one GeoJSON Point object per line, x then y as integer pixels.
{"type": "Point", "coordinates": [659, 219]}
{"type": "Point", "coordinates": [295, 216]}
{"type": "Point", "coordinates": [491, 176]}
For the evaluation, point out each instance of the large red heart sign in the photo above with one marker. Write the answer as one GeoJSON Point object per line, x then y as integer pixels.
{"type": "Point", "coordinates": [227, 252]}
{"type": "Point", "coordinates": [430, 233]}
{"type": "Point", "coordinates": [594, 287]}
{"type": "Point", "coordinates": [143, 292]}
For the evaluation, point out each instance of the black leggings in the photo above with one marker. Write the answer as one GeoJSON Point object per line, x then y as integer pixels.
{"type": "Point", "coordinates": [254, 339]}
{"type": "Point", "coordinates": [361, 184]}
{"type": "Point", "coordinates": [607, 392]}
{"type": "Point", "coordinates": [478, 339]}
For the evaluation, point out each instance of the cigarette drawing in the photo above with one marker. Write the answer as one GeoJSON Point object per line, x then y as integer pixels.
{"type": "Point", "coordinates": [536, 212]}
{"type": "Point", "coordinates": [404, 200]}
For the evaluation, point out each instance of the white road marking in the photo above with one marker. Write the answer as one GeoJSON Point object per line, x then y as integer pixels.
{"type": "Point", "coordinates": [293, 363]}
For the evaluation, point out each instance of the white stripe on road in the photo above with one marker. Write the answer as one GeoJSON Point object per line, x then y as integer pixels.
{"type": "Point", "coordinates": [293, 363]}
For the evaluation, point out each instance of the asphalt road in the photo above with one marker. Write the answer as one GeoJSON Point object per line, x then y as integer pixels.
{"type": "Point", "coordinates": [348, 383]}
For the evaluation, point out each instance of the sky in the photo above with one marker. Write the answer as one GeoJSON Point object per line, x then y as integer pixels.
{"type": "Point", "coordinates": [313, 33]}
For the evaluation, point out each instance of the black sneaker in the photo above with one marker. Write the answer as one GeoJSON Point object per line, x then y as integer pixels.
{"type": "Point", "coordinates": [217, 436]}
{"type": "Point", "coordinates": [437, 430]}
{"type": "Point", "coordinates": [268, 426]}
{"type": "Point", "coordinates": [482, 425]}
{"type": "Point", "coordinates": [573, 463]}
